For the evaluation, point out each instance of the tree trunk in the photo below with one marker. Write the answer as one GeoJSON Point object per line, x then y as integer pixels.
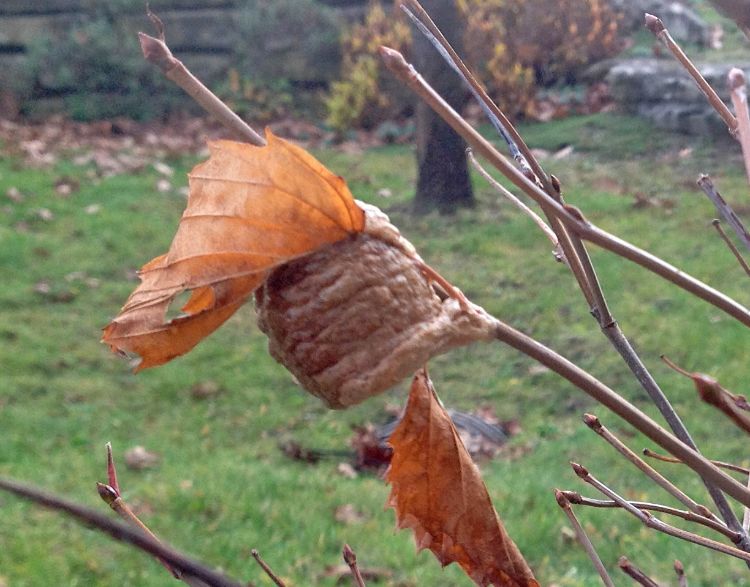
{"type": "Point", "coordinates": [443, 179]}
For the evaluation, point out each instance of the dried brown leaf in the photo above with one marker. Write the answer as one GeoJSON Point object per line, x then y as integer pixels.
{"type": "Point", "coordinates": [250, 209]}
{"type": "Point", "coordinates": [439, 493]}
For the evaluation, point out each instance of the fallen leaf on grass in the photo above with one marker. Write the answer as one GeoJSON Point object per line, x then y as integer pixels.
{"type": "Point", "coordinates": [139, 458]}
{"type": "Point", "coordinates": [14, 194]}
{"type": "Point", "coordinates": [65, 186]}
{"type": "Point", "coordinates": [347, 514]}
{"type": "Point", "coordinates": [369, 451]}
{"type": "Point", "coordinates": [346, 470]}
{"type": "Point", "coordinates": [205, 390]}
{"type": "Point", "coordinates": [437, 491]}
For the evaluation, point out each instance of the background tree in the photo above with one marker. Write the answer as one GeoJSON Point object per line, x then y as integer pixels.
{"type": "Point", "coordinates": [443, 178]}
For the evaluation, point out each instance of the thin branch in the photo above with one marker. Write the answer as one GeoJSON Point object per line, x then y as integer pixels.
{"type": "Point", "coordinates": [119, 531]}
{"type": "Point", "coordinates": [738, 94]}
{"type": "Point", "coordinates": [654, 523]}
{"type": "Point", "coordinates": [156, 52]}
{"type": "Point", "coordinates": [669, 459]}
{"type": "Point", "coordinates": [577, 499]}
{"type": "Point", "coordinates": [724, 209]}
{"type": "Point", "coordinates": [635, 573]}
{"type": "Point", "coordinates": [680, 572]}
{"type": "Point", "coordinates": [350, 558]}
{"type": "Point", "coordinates": [263, 565]}
{"type": "Point", "coordinates": [731, 246]}
{"type": "Point", "coordinates": [583, 538]}
{"type": "Point", "coordinates": [570, 216]}
{"type": "Point", "coordinates": [594, 424]}
{"type": "Point", "coordinates": [656, 26]}
{"type": "Point", "coordinates": [536, 219]}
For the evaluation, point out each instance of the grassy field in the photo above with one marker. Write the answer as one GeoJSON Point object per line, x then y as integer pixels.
{"type": "Point", "coordinates": [223, 487]}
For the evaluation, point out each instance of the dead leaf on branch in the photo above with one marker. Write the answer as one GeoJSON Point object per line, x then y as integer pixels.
{"type": "Point", "coordinates": [250, 209]}
{"type": "Point", "coordinates": [437, 491]}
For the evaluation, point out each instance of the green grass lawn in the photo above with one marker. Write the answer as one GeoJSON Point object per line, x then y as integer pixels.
{"type": "Point", "coordinates": [222, 486]}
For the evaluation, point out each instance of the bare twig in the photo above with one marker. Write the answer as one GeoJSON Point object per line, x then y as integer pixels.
{"type": "Point", "coordinates": [576, 498]}
{"type": "Point", "coordinates": [112, 496]}
{"type": "Point", "coordinates": [738, 94]}
{"type": "Point", "coordinates": [668, 459]}
{"type": "Point", "coordinates": [655, 523]}
{"type": "Point", "coordinates": [535, 218]}
{"type": "Point", "coordinates": [731, 246]}
{"type": "Point", "coordinates": [710, 391]}
{"type": "Point", "coordinates": [680, 572]}
{"type": "Point", "coordinates": [724, 209]}
{"type": "Point", "coordinates": [263, 565]}
{"type": "Point", "coordinates": [121, 532]}
{"type": "Point", "coordinates": [635, 573]}
{"type": "Point", "coordinates": [570, 216]}
{"type": "Point", "coordinates": [156, 52]}
{"type": "Point", "coordinates": [594, 424]}
{"type": "Point", "coordinates": [350, 558]}
{"type": "Point", "coordinates": [583, 538]}
{"type": "Point", "coordinates": [656, 26]}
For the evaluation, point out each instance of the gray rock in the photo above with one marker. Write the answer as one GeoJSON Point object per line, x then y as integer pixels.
{"type": "Point", "coordinates": [683, 23]}
{"type": "Point", "coordinates": [663, 92]}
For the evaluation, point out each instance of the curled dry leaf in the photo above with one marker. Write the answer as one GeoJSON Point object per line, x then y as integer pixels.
{"type": "Point", "coordinates": [439, 493]}
{"type": "Point", "coordinates": [348, 305]}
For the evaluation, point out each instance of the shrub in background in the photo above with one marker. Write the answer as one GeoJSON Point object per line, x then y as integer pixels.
{"type": "Point", "coordinates": [286, 53]}
{"type": "Point", "coordinates": [362, 96]}
{"type": "Point", "coordinates": [97, 69]}
{"type": "Point", "coordinates": [514, 46]}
